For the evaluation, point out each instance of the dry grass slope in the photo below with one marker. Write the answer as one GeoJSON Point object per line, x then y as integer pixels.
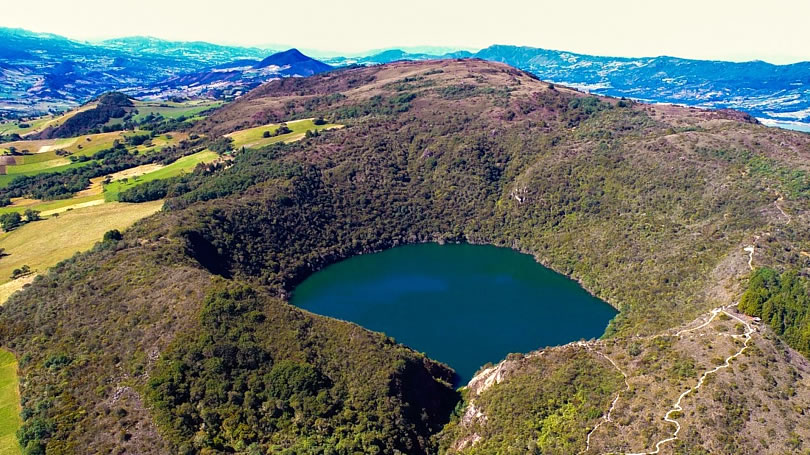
{"type": "Point", "coordinates": [42, 244]}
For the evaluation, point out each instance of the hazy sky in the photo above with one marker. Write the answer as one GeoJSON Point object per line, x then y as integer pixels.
{"type": "Point", "coordinates": [777, 31]}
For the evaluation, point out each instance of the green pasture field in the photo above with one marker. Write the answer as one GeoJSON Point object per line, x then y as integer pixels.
{"type": "Point", "coordinates": [254, 137]}
{"type": "Point", "coordinates": [9, 404]}
{"type": "Point", "coordinates": [181, 166]}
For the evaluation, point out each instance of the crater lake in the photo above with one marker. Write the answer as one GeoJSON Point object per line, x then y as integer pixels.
{"type": "Point", "coordinates": [461, 304]}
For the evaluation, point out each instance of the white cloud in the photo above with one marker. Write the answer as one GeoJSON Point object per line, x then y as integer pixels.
{"type": "Point", "coordinates": [722, 29]}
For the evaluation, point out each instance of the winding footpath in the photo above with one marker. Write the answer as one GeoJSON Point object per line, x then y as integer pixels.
{"type": "Point", "coordinates": [776, 203]}
{"type": "Point", "coordinates": [750, 250]}
{"type": "Point", "coordinates": [605, 417]}
{"type": "Point", "coordinates": [677, 408]}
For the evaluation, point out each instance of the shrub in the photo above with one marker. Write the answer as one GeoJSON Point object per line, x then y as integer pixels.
{"type": "Point", "coordinates": [21, 272]}
{"type": "Point", "coordinates": [10, 221]}
{"type": "Point", "coordinates": [138, 139]}
{"type": "Point", "coordinates": [57, 361]}
{"type": "Point", "coordinates": [283, 129]}
{"type": "Point", "coordinates": [221, 145]}
{"type": "Point", "coordinates": [32, 215]}
{"type": "Point", "coordinates": [113, 235]}
{"type": "Point", "coordinates": [149, 191]}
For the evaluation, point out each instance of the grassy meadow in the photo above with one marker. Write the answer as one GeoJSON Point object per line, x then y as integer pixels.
{"type": "Point", "coordinates": [44, 243]}
{"type": "Point", "coordinates": [49, 207]}
{"type": "Point", "coordinates": [34, 170]}
{"type": "Point", "coordinates": [45, 149]}
{"type": "Point", "coordinates": [9, 404]}
{"type": "Point", "coordinates": [87, 145]}
{"type": "Point", "coordinates": [37, 166]}
{"type": "Point", "coordinates": [48, 160]}
{"type": "Point", "coordinates": [181, 166]}
{"type": "Point", "coordinates": [98, 194]}
{"type": "Point", "coordinates": [171, 109]}
{"type": "Point", "coordinates": [158, 142]}
{"type": "Point", "coordinates": [6, 289]}
{"type": "Point", "coordinates": [34, 146]}
{"type": "Point", "coordinates": [7, 178]}
{"type": "Point", "coordinates": [254, 137]}
{"type": "Point", "coordinates": [34, 125]}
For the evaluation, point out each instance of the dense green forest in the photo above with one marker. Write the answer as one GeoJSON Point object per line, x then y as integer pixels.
{"type": "Point", "coordinates": [231, 386]}
{"type": "Point", "coordinates": [177, 338]}
{"type": "Point", "coordinates": [783, 302]}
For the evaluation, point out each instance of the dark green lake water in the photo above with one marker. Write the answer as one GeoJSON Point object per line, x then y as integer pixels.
{"type": "Point", "coordinates": [464, 305]}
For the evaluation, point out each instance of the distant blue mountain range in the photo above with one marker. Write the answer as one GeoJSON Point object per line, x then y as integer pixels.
{"type": "Point", "coordinates": [40, 72]}
{"type": "Point", "coordinates": [773, 93]}
{"type": "Point", "coordinates": [229, 80]}
{"type": "Point", "coordinates": [43, 71]}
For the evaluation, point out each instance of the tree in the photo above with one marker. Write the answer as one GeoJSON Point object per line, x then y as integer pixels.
{"type": "Point", "coordinates": [283, 129]}
{"type": "Point", "coordinates": [319, 121]}
{"type": "Point", "coordinates": [10, 221]}
{"type": "Point", "coordinates": [22, 271]}
{"type": "Point", "coordinates": [113, 235]}
{"type": "Point", "coordinates": [221, 145]}
{"type": "Point", "coordinates": [266, 134]}
{"type": "Point", "coordinates": [32, 215]}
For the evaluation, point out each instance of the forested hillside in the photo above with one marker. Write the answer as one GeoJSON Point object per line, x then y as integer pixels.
{"type": "Point", "coordinates": [178, 337]}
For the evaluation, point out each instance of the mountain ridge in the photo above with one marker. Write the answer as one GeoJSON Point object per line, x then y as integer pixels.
{"type": "Point", "coordinates": [776, 94]}
{"type": "Point", "coordinates": [230, 80]}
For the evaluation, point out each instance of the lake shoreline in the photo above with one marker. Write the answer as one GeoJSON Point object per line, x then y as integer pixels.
{"type": "Point", "coordinates": [462, 304]}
